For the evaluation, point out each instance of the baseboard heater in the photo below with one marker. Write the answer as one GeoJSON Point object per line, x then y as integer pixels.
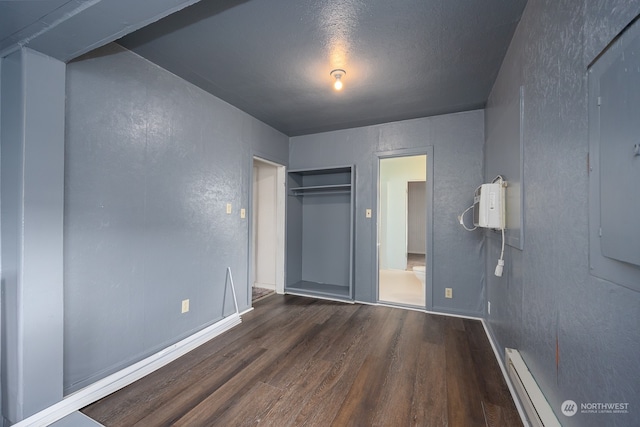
{"type": "Point", "coordinates": [533, 401]}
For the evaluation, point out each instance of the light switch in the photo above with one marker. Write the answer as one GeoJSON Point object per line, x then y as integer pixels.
{"type": "Point", "coordinates": [228, 208]}
{"type": "Point", "coordinates": [243, 213]}
{"type": "Point", "coordinates": [367, 213]}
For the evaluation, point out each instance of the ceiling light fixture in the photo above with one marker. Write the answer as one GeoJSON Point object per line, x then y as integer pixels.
{"type": "Point", "coordinates": [337, 74]}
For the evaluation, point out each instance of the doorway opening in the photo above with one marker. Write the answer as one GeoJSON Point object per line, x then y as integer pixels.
{"type": "Point", "coordinates": [402, 230]}
{"type": "Point", "coordinates": [267, 229]}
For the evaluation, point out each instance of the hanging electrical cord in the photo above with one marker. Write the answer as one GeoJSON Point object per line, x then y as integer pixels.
{"type": "Point", "coordinates": [461, 219]}
{"type": "Point", "coordinates": [502, 184]}
{"type": "Point", "coordinates": [500, 266]}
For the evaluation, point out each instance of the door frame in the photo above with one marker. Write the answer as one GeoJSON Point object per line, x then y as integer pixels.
{"type": "Point", "coordinates": [409, 152]}
{"type": "Point", "coordinates": [280, 225]}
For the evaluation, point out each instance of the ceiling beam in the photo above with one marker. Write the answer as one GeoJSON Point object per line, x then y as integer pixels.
{"type": "Point", "coordinates": [78, 27]}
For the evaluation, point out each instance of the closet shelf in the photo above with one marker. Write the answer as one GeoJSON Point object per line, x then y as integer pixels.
{"type": "Point", "coordinates": [320, 189]}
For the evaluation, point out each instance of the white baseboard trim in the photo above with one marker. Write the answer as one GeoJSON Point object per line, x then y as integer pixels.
{"type": "Point", "coordinates": [124, 377]}
{"type": "Point", "coordinates": [512, 390]}
{"type": "Point", "coordinates": [246, 311]}
{"type": "Point", "coordinates": [269, 286]}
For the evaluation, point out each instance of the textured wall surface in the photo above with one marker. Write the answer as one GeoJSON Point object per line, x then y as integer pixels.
{"type": "Point", "coordinates": [457, 141]}
{"type": "Point", "coordinates": [503, 156]}
{"type": "Point", "coordinates": [151, 162]}
{"type": "Point", "coordinates": [547, 293]}
{"type": "Point", "coordinates": [32, 201]}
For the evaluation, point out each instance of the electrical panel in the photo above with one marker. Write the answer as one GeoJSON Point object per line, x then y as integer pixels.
{"type": "Point", "coordinates": [614, 161]}
{"type": "Point", "coordinates": [488, 206]}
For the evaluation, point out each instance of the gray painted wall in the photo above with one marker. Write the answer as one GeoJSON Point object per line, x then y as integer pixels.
{"type": "Point", "coordinates": [457, 141]}
{"type": "Point", "coordinates": [547, 292]}
{"type": "Point", "coordinates": [151, 162]}
{"type": "Point", "coordinates": [503, 156]}
{"type": "Point", "coordinates": [32, 114]}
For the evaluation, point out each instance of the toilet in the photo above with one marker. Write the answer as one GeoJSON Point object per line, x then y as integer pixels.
{"type": "Point", "coordinates": [419, 271]}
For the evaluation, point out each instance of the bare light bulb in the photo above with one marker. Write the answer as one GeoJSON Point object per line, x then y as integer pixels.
{"type": "Point", "coordinates": [337, 74]}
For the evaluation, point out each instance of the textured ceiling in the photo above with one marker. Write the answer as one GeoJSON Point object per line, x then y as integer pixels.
{"type": "Point", "coordinates": [272, 58]}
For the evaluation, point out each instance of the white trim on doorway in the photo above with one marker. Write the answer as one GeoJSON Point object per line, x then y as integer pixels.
{"type": "Point", "coordinates": [410, 152]}
{"type": "Point", "coordinates": [278, 211]}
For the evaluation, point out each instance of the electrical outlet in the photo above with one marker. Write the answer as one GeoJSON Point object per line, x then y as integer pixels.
{"type": "Point", "coordinates": [228, 208]}
{"type": "Point", "coordinates": [448, 292]}
{"type": "Point", "coordinates": [243, 213]}
{"type": "Point", "coordinates": [185, 306]}
{"type": "Point", "coordinates": [488, 307]}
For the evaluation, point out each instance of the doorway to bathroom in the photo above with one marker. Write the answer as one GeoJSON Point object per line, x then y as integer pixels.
{"type": "Point", "coordinates": [402, 228]}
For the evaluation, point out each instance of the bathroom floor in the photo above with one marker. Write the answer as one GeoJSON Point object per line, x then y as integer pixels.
{"type": "Point", "coordinates": [401, 287]}
{"type": "Point", "coordinates": [414, 260]}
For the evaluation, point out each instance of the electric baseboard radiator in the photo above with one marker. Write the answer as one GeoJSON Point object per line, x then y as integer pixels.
{"type": "Point", "coordinates": [533, 401]}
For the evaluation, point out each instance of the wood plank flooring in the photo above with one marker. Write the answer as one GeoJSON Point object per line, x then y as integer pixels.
{"type": "Point", "coordinates": [298, 361]}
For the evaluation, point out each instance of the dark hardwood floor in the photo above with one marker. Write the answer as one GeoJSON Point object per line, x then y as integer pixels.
{"type": "Point", "coordinates": [300, 361]}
